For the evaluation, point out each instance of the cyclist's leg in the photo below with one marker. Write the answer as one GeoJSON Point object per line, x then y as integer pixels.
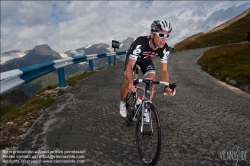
{"type": "Point", "coordinates": [124, 91]}
{"type": "Point", "coordinates": [152, 87]}
{"type": "Point", "coordinates": [124, 88]}
{"type": "Point", "coordinates": [148, 71]}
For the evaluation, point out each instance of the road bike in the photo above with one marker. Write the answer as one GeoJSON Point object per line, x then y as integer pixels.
{"type": "Point", "coordinates": [148, 130]}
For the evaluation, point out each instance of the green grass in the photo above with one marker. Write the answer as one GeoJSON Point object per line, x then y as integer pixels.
{"type": "Point", "coordinates": [74, 80]}
{"type": "Point", "coordinates": [234, 33]}
{"type": "Point", "coordinates": [228, 62]}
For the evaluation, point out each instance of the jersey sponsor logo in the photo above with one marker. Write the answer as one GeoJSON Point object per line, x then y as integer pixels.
{"type": "Point", "coordinates": [166, 54]}
{"type": "Point", "coordinates": [131, 56]}
{"type": "Point", "coordinates": [137, 51]}
{"type": "Point", "coordinates": [150, 67]}
{"type": "Point", "coordinates": [149, 53]}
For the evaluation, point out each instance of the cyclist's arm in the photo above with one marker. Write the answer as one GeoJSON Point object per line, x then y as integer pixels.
{"type": "Point", "coordinates": [164, 72]}
{"type": "Point", "coordinates": [165, 77]}
{"type": "Point", "coordinates": [164, 64]}
{"type": "Point", "coordinates": [129, 74]}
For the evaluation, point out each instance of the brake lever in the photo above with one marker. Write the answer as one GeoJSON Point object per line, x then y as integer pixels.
{"type": "Point", "coordinates": [173, 86]}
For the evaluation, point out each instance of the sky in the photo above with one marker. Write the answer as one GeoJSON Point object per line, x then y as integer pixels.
{"type": "Point", "coordinates": [68, 25]}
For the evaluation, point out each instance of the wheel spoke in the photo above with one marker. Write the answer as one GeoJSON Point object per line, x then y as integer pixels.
{"type": "Point", "coordinates": [130, 108]}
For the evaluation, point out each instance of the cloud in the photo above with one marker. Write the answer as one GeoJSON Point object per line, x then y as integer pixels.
{"type": "Point", "coordinates": [74, 24]}
{"type": "Point", "coordinates": [25, 13]}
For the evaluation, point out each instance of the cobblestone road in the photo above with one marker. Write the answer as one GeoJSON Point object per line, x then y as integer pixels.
{"type": "Point", "coordinates": [201, 122]}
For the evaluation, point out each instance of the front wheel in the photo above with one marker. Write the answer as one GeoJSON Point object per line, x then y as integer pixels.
{"type": "Point", "coordinates": [130, 106]}
{"type": "Point", "coordinates": [149, 140]}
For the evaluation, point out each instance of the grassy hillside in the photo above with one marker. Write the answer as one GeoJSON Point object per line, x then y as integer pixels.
{"type": "Point", "coordinates": [227, 63]}
{"type": "Point", "coordinates": [233, 33]}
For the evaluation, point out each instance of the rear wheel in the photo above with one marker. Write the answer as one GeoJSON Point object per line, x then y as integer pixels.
{"type": "Point", "coordinates": [149, 140]}
{"type": "Point", "coordinates": [130, 106]}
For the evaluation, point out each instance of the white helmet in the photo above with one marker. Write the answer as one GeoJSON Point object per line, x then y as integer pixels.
{"type": "Point", "coordinates": [161, 25]}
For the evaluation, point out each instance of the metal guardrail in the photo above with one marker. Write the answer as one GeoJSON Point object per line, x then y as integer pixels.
{"type": "Point", "coordinates": [14, 78]}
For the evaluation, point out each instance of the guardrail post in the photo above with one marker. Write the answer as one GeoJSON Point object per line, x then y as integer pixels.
{"type": "Point", "coordinates": [61, 77]}
{"type": "Point", "coordinates": [109, 60]}
{"type": "Point", "coordinates": [91, 66]}
{"type": "Point", "coordinates": [114, 56]}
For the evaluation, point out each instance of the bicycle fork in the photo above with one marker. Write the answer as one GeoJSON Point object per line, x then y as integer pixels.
{"type": "Point", "coordinates": [145, 108]}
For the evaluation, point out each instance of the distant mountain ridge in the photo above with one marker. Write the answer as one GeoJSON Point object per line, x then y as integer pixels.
{"type": "Point", "coordinates": [44, 53]}
{"type": "Point", "coordinates": [124, 46]}
{"type": "Point", "coordinates": [99, 48]}
{"type": "Point", "coordinates": [15, 51]}
{"type": "Point", "coordinates": [9, 55]}
{"type": "Point", "coordinates": [39, 54]}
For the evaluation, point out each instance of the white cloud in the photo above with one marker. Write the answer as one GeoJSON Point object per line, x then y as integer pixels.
{"type": "Point", "coordinates": [74, 24]}
{"type": "Point", "coordinates": [119, 5]}
{"type": "Point", "coordinates": [36, 32]}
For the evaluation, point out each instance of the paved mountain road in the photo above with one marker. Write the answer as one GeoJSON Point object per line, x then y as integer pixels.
{"type": "Point", "coordinates": [202, 120]}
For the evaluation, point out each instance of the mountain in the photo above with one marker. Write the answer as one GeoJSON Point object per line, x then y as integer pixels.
{"type": "Point", "coordinates": [39, 54]}
{"type": "Point", "coordinates": [97, 48]}
{"type": "Point", "coordinates": [89, 49]}
{"type": "Point", "coordinates": [100, 48]}
{"type": "Point", "coordinates": [77, 52]}
{"type": "Point", "coordinates": [9, 55]}
{"type": "Point", "coordinates": [124, 46]}
{"type": "Point", "coordinates": [43, 53]}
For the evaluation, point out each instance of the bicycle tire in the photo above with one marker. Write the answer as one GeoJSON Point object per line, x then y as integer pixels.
{"type": "Point", "coordinates": [130, 102]}
{"type": "Point", "coordinates": [149, 151]}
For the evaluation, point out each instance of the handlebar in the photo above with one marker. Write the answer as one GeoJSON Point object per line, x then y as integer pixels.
{"type": "Point", "coordinates": [149, 81]}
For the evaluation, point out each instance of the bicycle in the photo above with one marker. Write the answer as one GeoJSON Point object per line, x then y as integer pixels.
{"type": "Point", "coordinates": [149, 151]}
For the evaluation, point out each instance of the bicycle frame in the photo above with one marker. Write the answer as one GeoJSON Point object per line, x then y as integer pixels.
{"type": "Point", "coordinates": [146, 93]}
{"type": "Point", "coordinates": [143, 106]}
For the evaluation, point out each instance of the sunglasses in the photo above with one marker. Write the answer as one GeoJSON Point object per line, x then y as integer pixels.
{"type": "Point", "coordinates": [162, 35]}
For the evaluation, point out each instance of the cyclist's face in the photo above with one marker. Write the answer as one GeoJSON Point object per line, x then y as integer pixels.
{"type": "Point", "coordinates": [160, 42]}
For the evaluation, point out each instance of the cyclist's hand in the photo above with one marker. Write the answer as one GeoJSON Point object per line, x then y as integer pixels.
{"type": "Point", "coordinates": [131, 87]}
{"type": "Point", "coordinates": [170, 92]}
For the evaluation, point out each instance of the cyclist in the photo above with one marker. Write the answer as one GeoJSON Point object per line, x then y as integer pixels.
{"type": "Point", "coordinates": [140, 52]}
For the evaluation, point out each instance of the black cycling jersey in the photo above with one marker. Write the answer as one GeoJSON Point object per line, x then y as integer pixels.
{"type": "Point", "coordinates": [141, 51]}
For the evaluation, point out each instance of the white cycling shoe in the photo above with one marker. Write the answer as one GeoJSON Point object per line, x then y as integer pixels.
{"type": "Point", "coordinates": [123, 110]}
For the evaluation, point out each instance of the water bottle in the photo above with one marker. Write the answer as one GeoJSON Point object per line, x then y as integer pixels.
{"type": "Point", "coordinates": [139, 100]}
